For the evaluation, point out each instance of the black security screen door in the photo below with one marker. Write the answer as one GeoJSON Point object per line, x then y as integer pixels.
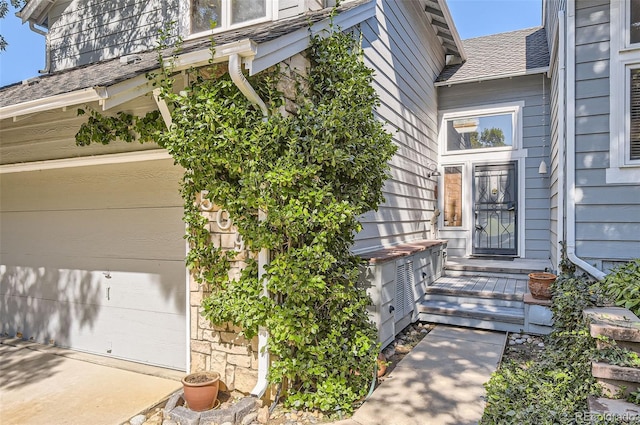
{"type": "Point", "coordinates": [495, 206]}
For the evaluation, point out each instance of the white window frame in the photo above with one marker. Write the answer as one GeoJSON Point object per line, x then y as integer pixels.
{"type": "Point", "coordinates": [624, 57]}
{"type": "Point", "coordinates": [271, 15]}
{"type": "Point", "coordinates": [470, 157]}
{"type": "Point", "coordinates": [515, 109]}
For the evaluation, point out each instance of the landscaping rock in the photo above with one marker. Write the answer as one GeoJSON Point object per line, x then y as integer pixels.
{"type": "Point", "coordinates": [243, 407]}
{"type": "Point", "coordinates": [263, 415]}
{"type": "Point", "coordinates": [216, 416]}
{"type": "Point", "coordinates": [184, 416]}
{"type": "Point", "coordinates": [138, 420]}
{"type": "Point", "coordinates": [250, 418]}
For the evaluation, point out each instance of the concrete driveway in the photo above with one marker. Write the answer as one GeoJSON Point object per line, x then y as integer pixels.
{"type": "Point", "coordinates": [42, 384]}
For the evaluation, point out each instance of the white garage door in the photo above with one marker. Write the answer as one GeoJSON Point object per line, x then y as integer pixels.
{"type": "Point", "coordinates": [92, 258]}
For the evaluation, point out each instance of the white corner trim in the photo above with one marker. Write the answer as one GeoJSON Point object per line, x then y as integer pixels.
{"type": "Point", "coordinates": [53, 102]}
{"type": "Point", "coordinates": [622, 59]}
{"type": "Point", "coordinates": [117, 158]}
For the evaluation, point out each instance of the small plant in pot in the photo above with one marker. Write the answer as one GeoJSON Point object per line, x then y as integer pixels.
{"type": "Point", "coordinates": [201, 390]}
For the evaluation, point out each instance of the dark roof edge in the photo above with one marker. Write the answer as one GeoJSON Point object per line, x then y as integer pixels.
{"type": "Point", "coordinates": [523, 73]}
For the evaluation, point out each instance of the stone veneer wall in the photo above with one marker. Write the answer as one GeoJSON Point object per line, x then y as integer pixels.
{"type": "Point", "coordinates": [220, 348]}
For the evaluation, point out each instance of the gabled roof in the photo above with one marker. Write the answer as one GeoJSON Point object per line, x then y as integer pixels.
{"type": "Point", "coordinates": [260, 46]}
{"type": "Point", "coordinates": [502, 55]}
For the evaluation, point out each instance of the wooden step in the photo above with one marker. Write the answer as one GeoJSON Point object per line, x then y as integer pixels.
{"type": "Point", "coordinates": [616, 380]}
{"type": "Point", "coordinates": [615, 323]}
{"type": "Point", "coordinates": [488, 295]}
{"type": "Point", "coordinates": [475, 311]}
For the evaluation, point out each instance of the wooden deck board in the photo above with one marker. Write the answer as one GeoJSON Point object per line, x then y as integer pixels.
{"type": "Point", "coordinates": [482, 284]}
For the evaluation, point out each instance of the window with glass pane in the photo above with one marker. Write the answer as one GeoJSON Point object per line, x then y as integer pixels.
{"type": "Point", "coordinates": [634, 116]}
{"type": "Point", "coordinates": [634, 21]}
{"type": "Point", "coordinates": [209, 14]}
{"type": "Point", "coordinates": [205, 15]}
{"type": "Point", "coordinates": [480, 132]}
{"type": "Point", "coordinates": [453, 196]}
{"type": "Point", "coordinates": [247, 10]}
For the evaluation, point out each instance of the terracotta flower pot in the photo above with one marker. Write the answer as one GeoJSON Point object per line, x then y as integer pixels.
{"type": "Point", "coordinates": [540, 285]}
{"type": "Point", "coordinates": [201, 390]}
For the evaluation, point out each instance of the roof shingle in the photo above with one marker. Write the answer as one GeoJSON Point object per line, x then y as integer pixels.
{"type": "Point", "coordinates": [508, 53]}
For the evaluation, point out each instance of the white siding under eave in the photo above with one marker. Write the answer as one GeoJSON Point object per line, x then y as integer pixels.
{"type": "Point", "coordinates": [535, 116]}
{"type": "Point", "coordinates": [607, 215]}
{"type": "Point", "coordinates": [402, 49]}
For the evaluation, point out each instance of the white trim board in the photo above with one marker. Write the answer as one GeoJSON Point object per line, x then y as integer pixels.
{"type": "Point", "coordinates": [117, 158]}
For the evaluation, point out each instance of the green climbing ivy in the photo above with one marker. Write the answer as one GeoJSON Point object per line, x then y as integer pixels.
{"type": "Point", "coordinates": [313, 172]}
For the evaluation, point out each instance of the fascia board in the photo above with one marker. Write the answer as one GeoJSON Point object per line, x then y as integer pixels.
{"type": "Point", "coordinates": [277, 50]}
{"type": "Point", "coordinates": [532, 71]}
{"type": "Point", "coordinates": [34, 11]}
{"type": "Point", "coordinates": [452, 28]}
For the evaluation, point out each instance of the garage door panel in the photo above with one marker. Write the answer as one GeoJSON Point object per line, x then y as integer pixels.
{"type": "Point", "coordinates": [144, 285]}
{"type": "Point", "coordinates": [152, 337]}
{"type": "Point", "coordinates": [93, 259]}
{"type": "Point", "coordinates": [148, 233]}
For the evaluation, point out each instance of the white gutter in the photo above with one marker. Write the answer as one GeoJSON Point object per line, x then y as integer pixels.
{"type": "Point", "coordinates": [85, 161]}
{"type": "Point", "coordinates": [532, 71]}
{"type": "Point", "coordinates": [571, 152]}
{"type": "Point", "coordinates": [235, 71]}
{"type": "Point", "coordinates": [53, 102]}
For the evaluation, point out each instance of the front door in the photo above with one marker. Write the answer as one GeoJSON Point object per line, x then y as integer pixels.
{"type": "Point", "coordinates": [495, 208]}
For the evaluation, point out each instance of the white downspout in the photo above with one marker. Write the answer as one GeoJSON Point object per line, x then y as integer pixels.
{"type": "Point", "coordinates": [571, 152]}
{"type": "Point", "coordinates": [47, 53]}
{"type": "Point", "coordinates": [235, 71]}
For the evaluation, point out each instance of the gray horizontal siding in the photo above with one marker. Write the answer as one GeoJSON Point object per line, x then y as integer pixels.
{"type": "Point", "coordinates": [607, 216]}
{"type": "Point", "coordinates": [89, 31]}
{"type": "Point", "coordinates": [407, 57]}
{"type": "Point", "coordinates": [92, 30]}
{"type": "Point", "coordinates": [536, 140]}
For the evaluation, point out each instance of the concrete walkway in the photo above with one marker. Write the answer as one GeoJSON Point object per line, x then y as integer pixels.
{"type": "Point", "coordinates": [48, 385]}
{"type": "Point", "coordinates": [439, 382]}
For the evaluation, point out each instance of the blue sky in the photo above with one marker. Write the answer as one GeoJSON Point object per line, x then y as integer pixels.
{"type": "Point", "coordinates": [473, 18]}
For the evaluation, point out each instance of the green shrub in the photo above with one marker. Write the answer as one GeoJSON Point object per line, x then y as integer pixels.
{"type": "Point", "coordinates": [554, 389]}
{"type": "Point", "coordinates": [622, 285]}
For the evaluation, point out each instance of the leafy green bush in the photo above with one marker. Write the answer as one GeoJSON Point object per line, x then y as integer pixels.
{"type": "Point", "coordinates": [313, 172]}
{"type": "Point", "coordinates": [623, 286]}
{"type": "Point", "coordinates": [555, 388]}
